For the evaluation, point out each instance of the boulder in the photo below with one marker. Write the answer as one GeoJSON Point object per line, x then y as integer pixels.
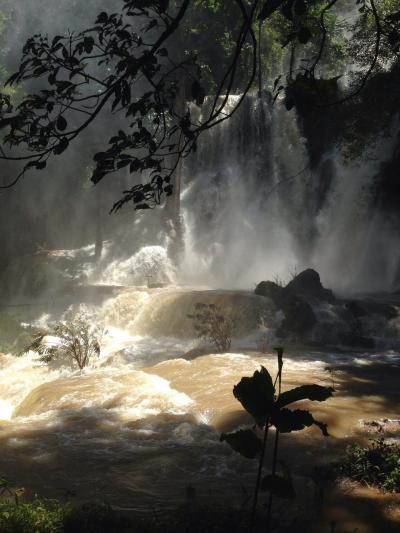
{"type": "Point", "coordinates": [299, 315]}
{"type": "Point", "coordinates": [271, 290]}
{"type": "Point", "coordinates": [299, 318]}
{"type": "Point", "coordinates": [308, 285]}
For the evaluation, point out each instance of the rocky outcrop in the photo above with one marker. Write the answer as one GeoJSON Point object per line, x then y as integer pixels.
{"type": "Point", "coordinates": [295, 301]}
{"type": "Point", "coordinates": [299, 318]}
{"type": "Point", "coordinates": [308, 285]}
{"type": "Point", "coordinates": [312, 313]}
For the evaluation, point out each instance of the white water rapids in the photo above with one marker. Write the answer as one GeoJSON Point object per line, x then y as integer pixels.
{"type": "Point", "coordinates": [145, 413]}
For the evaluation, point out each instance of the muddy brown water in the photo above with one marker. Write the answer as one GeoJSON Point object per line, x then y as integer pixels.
{"type": "Point", "coordinates": [141, 438]}
{"type": "Point", "coordinates": [140, 427]}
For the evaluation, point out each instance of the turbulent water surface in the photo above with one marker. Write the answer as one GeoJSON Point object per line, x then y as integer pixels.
{"type": "Point", "coordinates": [143, 422]}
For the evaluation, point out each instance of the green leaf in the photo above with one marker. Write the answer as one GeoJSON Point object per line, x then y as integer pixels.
{"type": "Point", "coordinates": [244, 441]}
{"type": "Point", "coordinates": [256, 394]}
{"type": "Point", "coordinates": [279, 486]}
{"type": "Point", "coordinates": [305, 392]}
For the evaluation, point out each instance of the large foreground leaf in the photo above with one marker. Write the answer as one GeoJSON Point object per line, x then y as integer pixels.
{"type": "Point", "coordinates": [256, 394]}
{"type": "Point", "coordinates": [244, 441]}
{"type": "Point", "coordinates": [305, 392]}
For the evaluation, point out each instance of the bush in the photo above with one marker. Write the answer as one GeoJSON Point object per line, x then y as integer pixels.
{"type": "Point", "coordinates": [33, 517]}
{"type": "Point", "coordinates": [76, 341]}
{"type": "Point", "coordinates": [212, 326]}
{"type": "Point", "coordinates": [378, 465]}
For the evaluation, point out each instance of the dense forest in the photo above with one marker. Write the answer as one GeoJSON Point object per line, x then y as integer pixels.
{"type": "Point", "coordinates": [200, 227]}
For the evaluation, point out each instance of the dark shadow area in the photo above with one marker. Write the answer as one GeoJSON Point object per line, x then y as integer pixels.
{"type": "Point", "coordinates": [374, 379]}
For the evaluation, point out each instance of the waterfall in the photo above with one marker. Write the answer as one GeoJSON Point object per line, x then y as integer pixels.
{"type": "Point", "coordinates": [254, 208]}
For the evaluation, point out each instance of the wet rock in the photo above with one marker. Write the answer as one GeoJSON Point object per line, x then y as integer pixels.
{"type": "Point", "coordinates": [299, 318]}
{"type": "Point", "coordinates": [198, 351]}
{"type": "Point", "coordinates": [295, 301]}
{"type": "Point", "coordinates": [312, 313]}
{"type": "Point", "coordinates": [384, 427]}
{"type": "Point", "coordinates": [308, 284]}
{"type": "Point", "coordinates": [299, 315]}
{"type": "Point", "coordinates": [362, 308]}
{"type": "Point", "coordinates": [270, 290]}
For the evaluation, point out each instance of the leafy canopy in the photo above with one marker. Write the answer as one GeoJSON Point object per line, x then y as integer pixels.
{"type": "Point", "coordinates": [148, 60]}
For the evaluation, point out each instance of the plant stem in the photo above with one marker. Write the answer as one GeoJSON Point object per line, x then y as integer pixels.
{"type": "Point", "coordinates": [279, 352]}
{"type": "Point", "coordinates": [259, 473]}
{"type": "Point", "coordinates": [274, 463]}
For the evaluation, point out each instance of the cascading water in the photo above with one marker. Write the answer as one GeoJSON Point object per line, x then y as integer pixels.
{"type": "Point", "coordinates": [254, 209]}
{"type": "Point", "coordinates": [150, 263]}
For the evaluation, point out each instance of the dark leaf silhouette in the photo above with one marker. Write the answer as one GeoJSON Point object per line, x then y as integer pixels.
{"type": "Point", "coordinates": [305, 392]}
{"type": "Point", "coordinates": [287, 421]}
{"type": "Point", "coordinates": [88, 44]}
{"type": "Point", "coordinates": [244, 441]}
{"type": "Point", "coordinates": [256, 394]}
{"type": "Point", "coordinates": [61, 123]}
{"type": "Point", "coordinates": [62, 146]}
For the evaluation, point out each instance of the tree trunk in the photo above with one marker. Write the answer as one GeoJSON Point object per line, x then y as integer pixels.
{"type": "Point", "coordinates": [98, 247]}
{"type": "Point", "coordinates": [173, 207]}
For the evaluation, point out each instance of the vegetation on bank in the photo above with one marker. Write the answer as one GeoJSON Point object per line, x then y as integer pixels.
{"type": "Point", "coordinates": [51, 516]}
{"type": "Point", "coordinates": [377, 465]}
{"type": "Point", "coordinates": [41, 516]}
